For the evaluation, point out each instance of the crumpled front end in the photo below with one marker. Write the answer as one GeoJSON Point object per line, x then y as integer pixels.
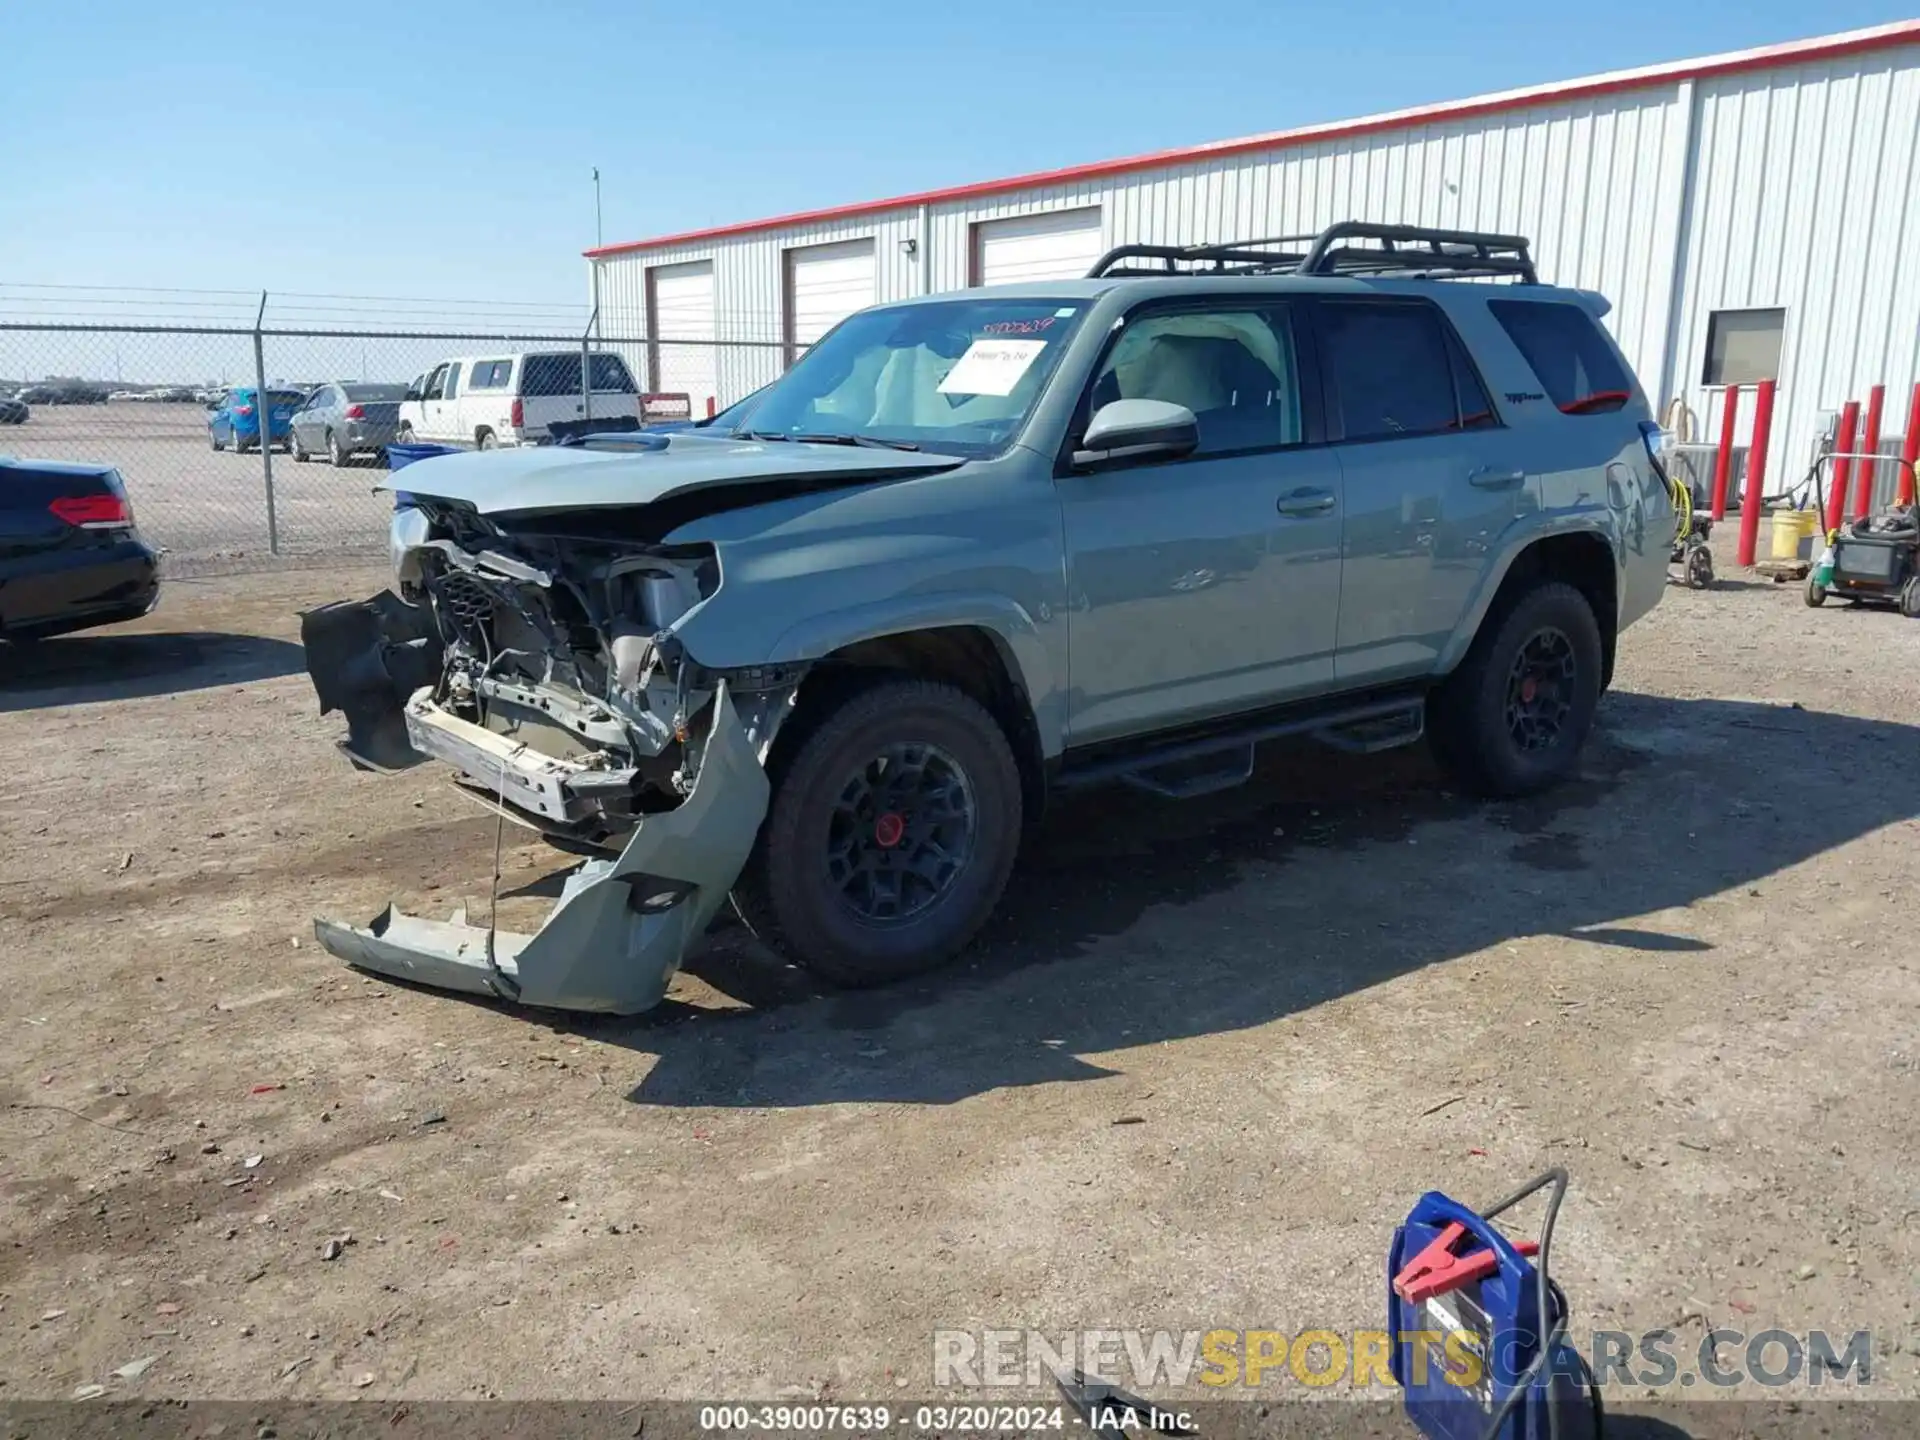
{"type": "Point", "coordinates": [621, 926]}
{"type": "Point", "coordinates": [546, 673]}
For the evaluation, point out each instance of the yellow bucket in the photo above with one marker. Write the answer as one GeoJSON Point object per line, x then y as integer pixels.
{"type": "Point", "coordinates": [1793, 532]}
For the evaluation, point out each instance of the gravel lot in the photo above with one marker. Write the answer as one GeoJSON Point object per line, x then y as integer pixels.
{"type": "Point", "coordinates": [207, 509]}
{"type": "Point", "coordinates": [1185, 1080]}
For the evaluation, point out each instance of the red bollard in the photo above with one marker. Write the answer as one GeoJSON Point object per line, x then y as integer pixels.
{"type": "Point", "coordinates": [1723, 462]}
{"type": "Point", "coordinates": [1842, 469]}
{"type": "Point", "coordinates": [1756, 472]}
{"type": "Point", "coordinates": [1910, 451]}
{"type": "Point", "coordinates": [710, 410]}
{"type": "Point", "coordinates": [1869, 470]}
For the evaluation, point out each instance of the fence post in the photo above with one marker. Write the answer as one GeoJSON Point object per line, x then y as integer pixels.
{"type": "Point", "coordinates": [1910, 449]}
{"type": "Point", "coordinates": [586, 364]}
{"type": "Point", "coordinates": [263, 412]}
{"type": "Point", "coordinates": [1756, 472]}
{"type": "Point", "coordinates": [1842, 469]}
{"type": "Point", "coordinates": [1869, 470]}
{"type": "Point", "coordinates": [1723, 461]}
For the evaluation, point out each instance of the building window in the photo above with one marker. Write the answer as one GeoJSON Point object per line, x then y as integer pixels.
{"type": "Point", "coordinates": [1743, 346]}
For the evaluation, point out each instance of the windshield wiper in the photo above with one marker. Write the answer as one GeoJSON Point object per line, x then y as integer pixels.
{"type": "Point", "coordinates": [868, 442]}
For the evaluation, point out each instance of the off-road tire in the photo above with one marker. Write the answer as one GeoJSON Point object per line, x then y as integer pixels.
{"type": "Point", "coordinates": [1468, 719]}
{"type": "Point", "coordinates": [786, 895]}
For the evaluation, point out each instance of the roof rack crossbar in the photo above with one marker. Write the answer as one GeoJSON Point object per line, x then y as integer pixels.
{"type": "Point", "coordinates": [1396, 249]}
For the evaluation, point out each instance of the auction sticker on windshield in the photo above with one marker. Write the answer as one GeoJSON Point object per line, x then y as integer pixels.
{"type": "Point", "coordinates": [991, 367]}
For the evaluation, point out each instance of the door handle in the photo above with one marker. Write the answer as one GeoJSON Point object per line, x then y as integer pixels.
{"type": "Point", "coordinates": [1305, 501]}
{"type": "Point", "coordinates": [1489, 477]}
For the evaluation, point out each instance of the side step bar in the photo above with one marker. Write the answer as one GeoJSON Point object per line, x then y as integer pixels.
{"type": "Point", "coordinates": [1363, 729]}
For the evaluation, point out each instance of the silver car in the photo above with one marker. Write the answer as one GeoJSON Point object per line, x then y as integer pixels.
{"type": "Point", "coordinates": [345, 418]}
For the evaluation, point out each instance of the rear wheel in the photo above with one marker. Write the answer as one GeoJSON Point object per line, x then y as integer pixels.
{"type": "Point", "coordinates": [1816, 593]}
{"type": "Point", "coordinates": [890, 838]}
{"type": "Point", "coordinates": [1910, 598]}
{"type": "Point", "coordinates": [485, 441]}
{"type": "Point", "coordinates": [214, 440]}
{"type": "Point", "coordinates": [295, 448]}
{"type": "Point", "coordinates": [1512, 719]}
{"type": "Point", "coordinates": [335, 455]}
{"type": "Point", "coordinates": [406, 435]}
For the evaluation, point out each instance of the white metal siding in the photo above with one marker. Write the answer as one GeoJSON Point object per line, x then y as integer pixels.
{"type": "Point", "coordinates": [825, 284]}
{"type": "Point", "coordinates": [1795, 186]}
{"type": "Point", "coordinates": [1808, 198]}
{"type": "Point", "coordinates": [1059, 245]}
{"type": "Point", "coordinates": [683, 310]}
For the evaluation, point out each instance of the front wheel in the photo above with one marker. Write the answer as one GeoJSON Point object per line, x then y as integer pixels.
{"type": "Point", "coordinates": [1816, 593]}
{"type": "Point", "coordinates": [1513, 718]}
{"type": "Point", "coordinates": [890, 837]}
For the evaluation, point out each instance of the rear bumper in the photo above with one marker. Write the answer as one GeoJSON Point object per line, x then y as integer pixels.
{"type": "Point", "coordinates": [621, 927]}
{"type": "Point", "coordinates": [65, 590]}
{"type": "Point", "coordinates": [368, 437]}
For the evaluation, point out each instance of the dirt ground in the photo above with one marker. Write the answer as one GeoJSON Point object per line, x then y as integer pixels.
{"type": "Point", "coordinates": [1197, 1070]}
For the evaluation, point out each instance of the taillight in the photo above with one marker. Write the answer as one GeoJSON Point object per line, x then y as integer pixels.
{"type": "Point", "coordinates": [356, 412]}
{"type": "Point", "coordinates": [517, 414]}
{"type": "Point", "coordinates": [93, 512]}
{"type": "Point", "coordinates": [1655, 439]}
{"type": "Point", "coordinates": [243, 410]}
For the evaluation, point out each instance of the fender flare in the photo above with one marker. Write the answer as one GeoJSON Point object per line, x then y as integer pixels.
{"type": "Point", "coordinates": [1598, 521]}
{"type": "Point", "coordinates": [1006, 621]}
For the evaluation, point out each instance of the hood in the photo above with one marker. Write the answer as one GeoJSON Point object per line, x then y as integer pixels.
{"type": "Point", "coordinates": [541, 478]}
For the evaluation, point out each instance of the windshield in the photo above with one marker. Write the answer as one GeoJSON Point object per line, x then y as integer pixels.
{"type": "Point", "coordinates": [958, 376]}
{"type": "Point", "coordinates": [375, 392]}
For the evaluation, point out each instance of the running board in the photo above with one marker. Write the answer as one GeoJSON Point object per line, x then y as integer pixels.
{"type": "Point", "coordinates": [1365, 729]}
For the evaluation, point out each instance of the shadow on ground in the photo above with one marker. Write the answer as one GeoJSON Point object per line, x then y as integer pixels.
{"type": "Point", "coordinates": [80, 669]}
{"type": "Point", "coordinates": [1133, 921]}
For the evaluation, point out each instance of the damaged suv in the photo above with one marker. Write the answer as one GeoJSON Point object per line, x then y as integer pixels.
{"type": "Point", "coordinates": [973, 549]}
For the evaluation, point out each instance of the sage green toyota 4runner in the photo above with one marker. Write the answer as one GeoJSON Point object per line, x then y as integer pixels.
{"type": "Point", "coordinates": [831, 657]}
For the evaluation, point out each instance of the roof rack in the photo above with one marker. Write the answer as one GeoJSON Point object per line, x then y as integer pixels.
{"type": "Point", "coordinates": [1352, 247]}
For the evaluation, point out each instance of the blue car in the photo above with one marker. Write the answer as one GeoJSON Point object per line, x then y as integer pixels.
{"type": "Point", "coordinates": [234, 419]}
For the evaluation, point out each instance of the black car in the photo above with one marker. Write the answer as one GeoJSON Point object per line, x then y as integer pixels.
{"type": "Point", "coordinates": [12, 412]}
{"type": "Point", "coordinates": [70, 557]}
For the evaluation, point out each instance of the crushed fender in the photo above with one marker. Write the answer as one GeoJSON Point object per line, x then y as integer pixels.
{"type": "Point", "coordinates": [621, 926]}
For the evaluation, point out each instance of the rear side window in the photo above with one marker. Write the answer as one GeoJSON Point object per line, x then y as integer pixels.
{"type": "Point", "coordinates": [560, 375]}
{"type": "Point", "coordinates": [1391, 370]}
{"type": "Point", "coordinates": [489, 374]}
{"type": "Point", "coordinates": [1575, 364]}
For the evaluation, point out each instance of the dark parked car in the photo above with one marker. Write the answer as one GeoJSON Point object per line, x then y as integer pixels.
{"type": "Point", "coordinates": [345, 418]}
{"type": "Point", "coordinates": [70, 557]}
{"type": "Point", "coordinates": [37, 395]}
{"type": "Point", "coordinates": [13, 412]}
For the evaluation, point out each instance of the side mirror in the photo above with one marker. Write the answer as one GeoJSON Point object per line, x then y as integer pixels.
{"type": "Point", "coordinates": [412, 393]}
{"type": "Point", "coordinates": [1126, 430]}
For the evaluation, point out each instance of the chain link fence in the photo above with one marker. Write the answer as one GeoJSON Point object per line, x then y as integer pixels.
{"type": "Point", "coordinates": [153, 396]}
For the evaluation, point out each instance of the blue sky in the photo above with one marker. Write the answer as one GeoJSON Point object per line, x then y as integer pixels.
{"type": "Point", "coordinates": [444, 150]}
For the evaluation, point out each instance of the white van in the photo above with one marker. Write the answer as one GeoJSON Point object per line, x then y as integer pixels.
{"type": "Point", "coordinates": [510, 399]}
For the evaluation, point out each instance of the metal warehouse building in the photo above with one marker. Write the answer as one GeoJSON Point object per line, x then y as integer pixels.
{"type": "Point", "coordinates": [1750, 215]}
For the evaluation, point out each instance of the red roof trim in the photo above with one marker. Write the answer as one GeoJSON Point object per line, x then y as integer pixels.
{"type": "Point", "coordinates": [1827, 47]}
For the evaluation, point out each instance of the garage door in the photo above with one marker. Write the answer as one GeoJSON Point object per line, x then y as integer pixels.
{"type": "Point", "coordinates": [1061, 245]}
{"type": "Point", "coordinates": [825, 284]}
{"type": "Point", "coordinates": [681, 299]}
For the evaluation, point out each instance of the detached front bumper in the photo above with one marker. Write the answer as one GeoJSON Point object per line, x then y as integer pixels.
{"type": "Point", "coordinates": [621, 927]}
